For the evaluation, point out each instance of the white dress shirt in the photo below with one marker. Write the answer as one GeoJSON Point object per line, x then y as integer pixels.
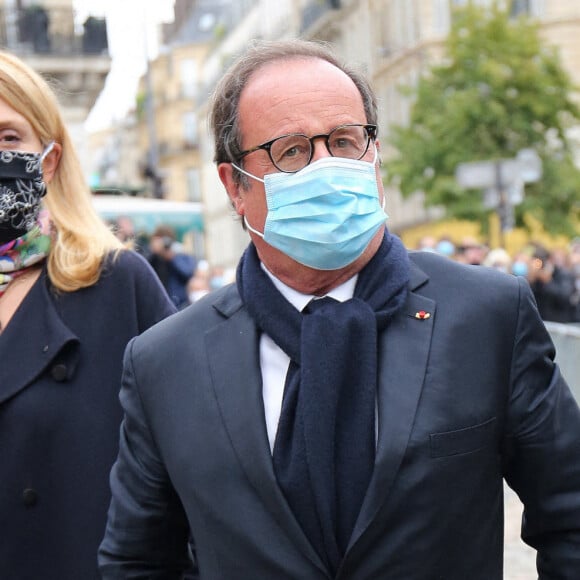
{"type": "Point", "coordinates": [274, 361]}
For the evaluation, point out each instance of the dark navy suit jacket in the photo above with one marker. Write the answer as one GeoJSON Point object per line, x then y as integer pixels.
{"type": "Point", "coordinates": [60, 374]}
{"type": "Point", "coordinates": [468, 395]}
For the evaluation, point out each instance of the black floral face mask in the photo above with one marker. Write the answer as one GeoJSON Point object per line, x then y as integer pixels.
{"type": "Point", "coordinates": [21, 189]}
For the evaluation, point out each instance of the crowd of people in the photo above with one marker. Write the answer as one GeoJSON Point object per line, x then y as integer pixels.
{"type": "Point", "coordinates": [185, 277]}
{"type": "Point", "coordinates": [553, 274]}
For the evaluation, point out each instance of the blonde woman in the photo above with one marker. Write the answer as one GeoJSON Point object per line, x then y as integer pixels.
{"type": "Point", "coordinates": [71, 297]}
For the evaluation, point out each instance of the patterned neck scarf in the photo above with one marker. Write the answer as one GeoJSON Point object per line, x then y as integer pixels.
{"type": "Point", "coordinates": [18, 255]}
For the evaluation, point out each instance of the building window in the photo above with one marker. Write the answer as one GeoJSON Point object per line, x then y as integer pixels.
{"type": "Point", "coordinates": [397, 27]}
{"type": "Point", "coordinates": [527, 8]}
{"type": "Point", "coordinates": [188, 78]}
{"type": "Point", "coordinates": [193, 185]}
{"type": "Point", "coordinates": [519, 7]}
{"type": "Point", "coordinates": [441, 20]}
{"type": "Point", "coordinates": [189, 124]}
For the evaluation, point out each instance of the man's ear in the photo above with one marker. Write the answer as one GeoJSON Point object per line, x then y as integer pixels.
{"type": "Point", "coordinates": [51, 161]}
{"type": "Point", "coordinates": [233, 187]}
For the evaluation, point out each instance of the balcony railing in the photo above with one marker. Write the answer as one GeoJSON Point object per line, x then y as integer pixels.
{"type": "Point", "coordinates": [39, 30]}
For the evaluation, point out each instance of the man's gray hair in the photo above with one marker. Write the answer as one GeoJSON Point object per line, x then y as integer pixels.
{"type": "Point", "coordinates": [224, 117]}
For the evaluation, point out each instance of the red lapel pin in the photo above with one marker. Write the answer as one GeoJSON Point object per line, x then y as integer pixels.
{"type": "Point", "coordinates": [422, 315]}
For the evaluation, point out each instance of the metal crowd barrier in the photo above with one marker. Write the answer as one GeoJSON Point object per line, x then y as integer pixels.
{"type": "Point", "coordinates": [566, 338]}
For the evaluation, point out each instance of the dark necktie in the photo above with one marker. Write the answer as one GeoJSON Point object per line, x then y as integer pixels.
{"type": "Point", "coordinates": [325, 444]}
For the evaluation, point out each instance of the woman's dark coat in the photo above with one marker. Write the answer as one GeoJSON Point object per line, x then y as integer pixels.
{"type": "Point", "coordinates": [60, 367]}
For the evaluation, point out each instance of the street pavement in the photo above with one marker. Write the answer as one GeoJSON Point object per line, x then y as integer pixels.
{"type": "Point", "coordinates": [519, 558]}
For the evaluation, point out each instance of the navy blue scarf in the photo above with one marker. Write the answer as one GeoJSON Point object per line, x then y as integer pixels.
{"type": "Point", "coordinates": [325, 443]}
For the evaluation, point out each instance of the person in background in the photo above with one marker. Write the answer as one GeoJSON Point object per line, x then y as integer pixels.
{"type": "Point", "coordinates": [499, 259]}
{"type": "Point", "coordinates": [346, 409]}
{"type": "Point", "coordinates": [70, 300]}
{"type": "Point", "coordinates": [445, 247]}
{"type": "Point", "coordinates": [124, 229]}
{"type": "Point", "coordinates": [471, 251]}
{"type": "Point", "coordinates": [553, 285]}
{"type": "Point", "coordinates": [221, 276]}
{"type": "Point", "coordinates": [427, 244]}
{"type": "Point", "coordinates": [173, 265]}
{"type": "Point", "coordinates": [521, 263]}
{"type": "Point", "coordinates": [199, 284]}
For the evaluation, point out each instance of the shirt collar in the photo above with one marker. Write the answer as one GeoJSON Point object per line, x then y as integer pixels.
{"type": "Point", "coordinates": [299, 300]}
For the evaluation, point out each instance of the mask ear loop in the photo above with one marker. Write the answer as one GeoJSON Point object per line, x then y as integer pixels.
{"type": "Point", "coordinates": [44, 222]}
{"type": "Point", "coordinates": [244, 218]}
{"type": "Point", "coordinates": [374, 162]}
{"type": "Point", "coordinates": [46, 151]}
{"type": "Point", "coordinates": [246, 172]}
{"type": "Point", "coordinates": [252, 229]}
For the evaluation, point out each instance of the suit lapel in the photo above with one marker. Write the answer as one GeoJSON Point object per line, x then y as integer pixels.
{"type": "Point", "coordinates": [403, 353]}
{"type": "Point", "coordinates": [237, 382]}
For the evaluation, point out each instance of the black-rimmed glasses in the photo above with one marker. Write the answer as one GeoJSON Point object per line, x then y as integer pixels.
{"type": "Point", "coordinates": [291, 153]}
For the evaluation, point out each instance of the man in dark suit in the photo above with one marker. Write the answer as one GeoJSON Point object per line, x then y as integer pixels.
{"type": "Point", "coordinates": [344, 410]}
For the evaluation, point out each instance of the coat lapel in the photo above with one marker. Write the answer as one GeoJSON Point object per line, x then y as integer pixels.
{"type": "Point", "coordinates": [238, 389]}
{"type": "Point", "coordinates": [403, 353]}
{"type": "Point", "coordinates": [35, 336]}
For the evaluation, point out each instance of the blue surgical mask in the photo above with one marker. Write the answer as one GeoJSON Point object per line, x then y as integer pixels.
{"type": "Point", "coordinates": [446, 248]}
{"type": "Point", "coordinates": [519, 269]}
{"type": "Point", "coordinates": [324, 215]}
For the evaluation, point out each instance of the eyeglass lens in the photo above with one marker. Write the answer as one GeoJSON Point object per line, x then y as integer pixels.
{"type": "Point", "coordinates": [293, 152]}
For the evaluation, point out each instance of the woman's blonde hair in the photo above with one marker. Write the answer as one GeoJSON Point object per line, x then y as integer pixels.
{"type": "Point", "coordinates": [81, 238]}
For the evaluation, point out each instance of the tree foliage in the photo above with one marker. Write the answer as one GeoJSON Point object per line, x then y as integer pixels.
{"type": "Point", "coordinates": [499, 89]}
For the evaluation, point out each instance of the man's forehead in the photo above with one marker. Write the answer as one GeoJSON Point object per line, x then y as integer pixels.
{"type": "Point", "coordinates": [287, 83]}
{"type": "Point", "coordinates": [288, 73]}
